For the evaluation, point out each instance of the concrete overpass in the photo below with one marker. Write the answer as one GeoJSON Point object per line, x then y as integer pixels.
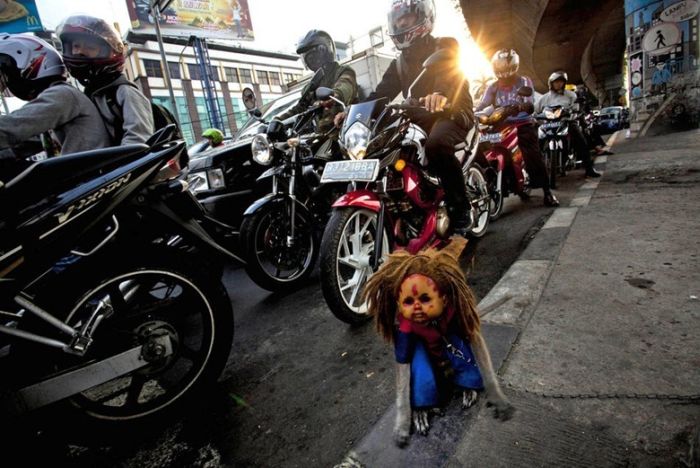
{"type": "Point", "coordinates": [584, 37]}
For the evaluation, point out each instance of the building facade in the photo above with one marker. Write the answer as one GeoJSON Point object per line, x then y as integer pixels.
{"type": "Point", "coordinates": [232, 69]}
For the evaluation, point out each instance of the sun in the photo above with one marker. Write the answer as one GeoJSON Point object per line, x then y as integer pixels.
{"type": "Point", "coordinates": [473, 62]}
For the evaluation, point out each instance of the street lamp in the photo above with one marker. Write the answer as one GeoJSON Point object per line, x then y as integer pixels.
{"type": "Point", "coordinates": [157, 7]}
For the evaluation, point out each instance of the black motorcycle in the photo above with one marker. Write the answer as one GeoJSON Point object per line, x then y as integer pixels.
{"type": "Point", "coordinates": [280, 233]}
{"type": "Point", "coordinates": [99, 310]}
{"type": "Point", "coordinates": [555, 141]}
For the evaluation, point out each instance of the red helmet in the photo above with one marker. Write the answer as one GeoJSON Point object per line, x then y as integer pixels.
{"type": "Point", "coordinates": [91, 47]}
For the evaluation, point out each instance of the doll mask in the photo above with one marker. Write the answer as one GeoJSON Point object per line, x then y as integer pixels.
{"type": "Point", "coordinates": [420, 300]}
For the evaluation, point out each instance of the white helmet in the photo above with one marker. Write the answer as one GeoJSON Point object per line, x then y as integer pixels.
{"type": "Point", "coordinates": [410, 20]}
{"type": "Point", "coordinates": [557, 75]}
{"type": "Point", "coordinates": [505, 63]}
{"type": "Point", "coordinates": [28, 65]}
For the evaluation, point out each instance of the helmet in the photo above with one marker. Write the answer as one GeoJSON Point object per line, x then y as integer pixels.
{"type": "Point", "coordinates": [557, 75]}
{"type": "Point", "coordinates": [316, 49]}
{"type": "Point", "coordinates": [410, 20]}
{"type": "Point", "coordinates": [91, 47]}
{"type": "Point", "coordinates": [213, 134]}
{"type": "Point", "coordinates": [505, 63]}
{"type": "Point", "coordinates": [28, 65]}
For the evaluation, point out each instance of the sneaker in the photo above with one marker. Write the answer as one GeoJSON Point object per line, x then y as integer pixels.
{"type": "Point", "coordinates": [592, 173]}
{"type": "Point", "coordinates": [550, 200]}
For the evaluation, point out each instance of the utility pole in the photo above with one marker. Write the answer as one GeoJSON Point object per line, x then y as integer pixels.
{"type": "Point", "coordinates": [157, 7]}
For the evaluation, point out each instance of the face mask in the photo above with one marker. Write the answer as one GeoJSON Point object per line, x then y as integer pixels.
{"type": "Point", "coordinates": [420, 300]}
{"type": "Point", "coordinates": [316, 57]}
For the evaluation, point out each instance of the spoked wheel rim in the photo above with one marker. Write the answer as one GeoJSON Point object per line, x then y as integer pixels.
{"type": "Point", "coordinates": [275, 258]}
{"type": "Point", "coordinates": [478, 184]}
{"type": "Point", "coordinates": [354, 257]}
{"type": "Point", "coordinates": [146, 306]}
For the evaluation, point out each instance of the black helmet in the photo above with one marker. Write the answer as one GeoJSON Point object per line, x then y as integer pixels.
{"type": "Point", "coordinates": [316, 49]}
{"type": "Point", "coordinates": [557, 75]}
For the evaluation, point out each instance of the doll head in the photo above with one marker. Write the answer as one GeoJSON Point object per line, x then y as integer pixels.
{"type": "Point", "coordinates": [420, 287]}
{"type": "Point", "coordinates": [420, 300]}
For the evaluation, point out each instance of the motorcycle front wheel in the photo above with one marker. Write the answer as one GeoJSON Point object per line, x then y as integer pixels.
{"type": "Point", "coordinates": [347, 254]}
{"type": "Point", "coordinates": [271, 262]}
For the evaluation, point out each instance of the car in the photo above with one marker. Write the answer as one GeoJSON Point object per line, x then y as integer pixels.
{"type": "Point", "coordinates": [223, 179]}
{"type": "Point", "coordinates": [610, 119]}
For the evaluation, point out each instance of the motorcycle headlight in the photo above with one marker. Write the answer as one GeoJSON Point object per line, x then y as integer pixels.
{"type": "Point", "coordinates": [262, 152]}
{"type": "Point", "coordinates": [356, 139]}
{"type": "Point", "coordinates": [550, 115]}
{"type": "Point", "coordinates": [198, 181]}
{"type": "Point", "coordinates": [216, 178]}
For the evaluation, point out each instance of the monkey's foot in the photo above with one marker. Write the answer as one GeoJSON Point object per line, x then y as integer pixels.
{"type": "Point", "coordinates": [469, 397]}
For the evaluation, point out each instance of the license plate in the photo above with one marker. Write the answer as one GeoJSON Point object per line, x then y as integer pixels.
{"type": "Point", "coordinates": [491, 138]}
{"type": "Point", "coordinates": [346, 171]}
{"type": "Point", "coordinates": [549, 125]}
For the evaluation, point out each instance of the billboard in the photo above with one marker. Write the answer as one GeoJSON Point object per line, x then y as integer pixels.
{"type": "Point", "coordinates": [222, 19]}
{"type": "Point", "coordinates": [19, 16]}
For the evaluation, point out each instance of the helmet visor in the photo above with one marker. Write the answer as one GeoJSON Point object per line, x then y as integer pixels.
{"type": "Point", "coordinates": [78, 45]}
{"type": "Point", "coordinates": [316, 57]}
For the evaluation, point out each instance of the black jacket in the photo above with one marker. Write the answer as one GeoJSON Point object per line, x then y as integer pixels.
{"type": "Point", "coordinates": [452, 84]}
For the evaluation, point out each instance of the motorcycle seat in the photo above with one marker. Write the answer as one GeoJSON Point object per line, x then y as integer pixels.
{"type": "Point", "coordinates": [43, 177]}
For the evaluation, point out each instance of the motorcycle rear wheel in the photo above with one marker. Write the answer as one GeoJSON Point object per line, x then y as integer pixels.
{"type": "Point", "coordinates": [476, 181]}
{"type": "Point", "coordinates": [171, 295]}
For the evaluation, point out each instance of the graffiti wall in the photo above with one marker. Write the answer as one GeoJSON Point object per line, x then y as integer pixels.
{"type": "Point", "coordinates": [663, 60]}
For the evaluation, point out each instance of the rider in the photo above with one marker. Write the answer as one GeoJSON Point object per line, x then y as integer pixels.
{"type": "Point", "coordinates": [558, 95]}
{"type": "Point", "coordinates": [215, 137]}
{"type": "Point", "coordinates": [410, 26]}
{"type": "Point", "coordinates": [95, 56]}
{"type": "Point", "coordinates": [504, 92]}
{"type": "Point", "coordinates": [33, 71]}
{"type": "Point", "coordinates": [317, 50]}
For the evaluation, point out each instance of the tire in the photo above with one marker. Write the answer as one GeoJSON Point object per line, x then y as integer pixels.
{"type": "Point", "coordinates": [496, 202]}
{"type": "Point", "coordinates": [263, 241]}
{"type": "Point", "coordinates": [477, 182]}
{"type": "Point", "coordinates": [356, 264]}
{"type": "Point", "coordinates": [172, 295]}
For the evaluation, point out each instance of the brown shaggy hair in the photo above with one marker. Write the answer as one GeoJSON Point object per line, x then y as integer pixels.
{"type": "Point", "coordinates": [382, 290]}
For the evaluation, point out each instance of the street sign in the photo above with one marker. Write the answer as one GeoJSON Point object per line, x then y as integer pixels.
{"type": "Point", "coordinates": [661, 39]}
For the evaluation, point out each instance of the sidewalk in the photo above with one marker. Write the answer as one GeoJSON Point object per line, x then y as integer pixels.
{"type": "Point", "coordinates": [604, 302]}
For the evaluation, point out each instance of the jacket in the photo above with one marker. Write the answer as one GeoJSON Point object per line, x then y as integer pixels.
{"type": "Point", "coordinates": [341, 79]}
{"type": "Point", "coordinates": [450, 83]}
{"type": "Point", "coordinates": [137, 115]}
{"type": "Point", "coordinates": [63, 109]}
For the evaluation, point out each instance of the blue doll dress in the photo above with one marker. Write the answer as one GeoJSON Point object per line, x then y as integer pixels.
{"type": "Point", "coordinates": [427, 385]}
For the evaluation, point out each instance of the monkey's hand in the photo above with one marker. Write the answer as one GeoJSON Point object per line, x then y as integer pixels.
{"type": "Point", "coordinates": [420, 422]}
{"type": "Point", "coordinates": [502, 409]}
{"type": "Point", "coordinates": [469, 397]}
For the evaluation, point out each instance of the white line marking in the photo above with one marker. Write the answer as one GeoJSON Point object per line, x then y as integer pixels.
{"type": "Point", "coordinates": [562, 217]}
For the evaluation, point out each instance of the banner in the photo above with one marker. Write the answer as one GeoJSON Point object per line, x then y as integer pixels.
{"type": "Point", "coordinates": [19, 16]}
{"type": "Point", "coordinates": [222, 19]}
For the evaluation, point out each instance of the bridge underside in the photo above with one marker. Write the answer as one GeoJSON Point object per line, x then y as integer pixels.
{"type": "Point", "coordinates": [586, 38]}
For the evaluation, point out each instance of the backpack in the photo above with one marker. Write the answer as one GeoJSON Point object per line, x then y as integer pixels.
{"type": "Point", "coordinates": [162, 116]}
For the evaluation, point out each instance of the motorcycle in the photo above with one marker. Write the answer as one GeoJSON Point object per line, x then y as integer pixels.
{"type": "Point", "coordinates": [393, 202]}
{"type": "Point", "coordinates": [100, 312]}
{"type": "Point", "coordinates": [504, 164]}
{"type": "Point", "coordinates": [280, 233]}
{"type": "Point", "coordinates": [553, 133]}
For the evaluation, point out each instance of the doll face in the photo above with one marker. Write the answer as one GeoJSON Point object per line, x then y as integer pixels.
{"type": "Point", "coordinates": [420, 300]}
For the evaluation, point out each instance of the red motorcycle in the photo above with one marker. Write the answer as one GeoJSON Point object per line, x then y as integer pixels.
{"type": "Point", "coordinates": [504, 164]}
{"type": "Point", "coordinates": [394, 203]}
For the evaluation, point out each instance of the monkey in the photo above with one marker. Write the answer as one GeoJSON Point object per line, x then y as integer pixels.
{"type": "Point", "coordinates": [423, 306]}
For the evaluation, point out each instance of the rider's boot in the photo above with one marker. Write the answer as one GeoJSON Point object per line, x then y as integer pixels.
{"type": "Point", "coordinates": [550, 199]}
{"type": "Point", "coordinates": [462, 220]}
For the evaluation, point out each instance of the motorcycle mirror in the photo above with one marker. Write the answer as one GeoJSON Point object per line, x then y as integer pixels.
{"type": "Point", "coordinates": [249, 99]}
{"type": "Point", "coordinates": [525, 91]}
{"type": "Point", "coordinates": [440, 60]}
{"type": "Point", "coordinates": [323, 93]}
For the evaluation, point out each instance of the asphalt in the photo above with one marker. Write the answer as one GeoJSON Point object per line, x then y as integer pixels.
{"type": "Point", "coordinates": [594, 328]}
